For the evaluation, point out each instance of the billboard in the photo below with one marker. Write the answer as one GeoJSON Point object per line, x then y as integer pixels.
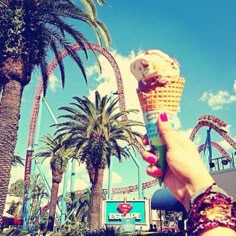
{"type": "Point", "coordinates": [116, 210]}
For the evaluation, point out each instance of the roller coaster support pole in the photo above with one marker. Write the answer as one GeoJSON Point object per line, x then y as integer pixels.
{"type": "Point", "coordinates": [233, 160]}
{"type": "Point", "coordinates": [63, 200]}
{"type": "Point", "coordinates": [26, 200]}
{"type": "Point", "coordinates": [140, 190]}
{"type": "Point", "coordinates": [26, 212]}
{"type": "Point", "coordinates": [48, 189]}
{"type": "Point", "coordinates": [110, 179]}
{"type": "Point", "coordinates": [72, 177]}
{"type": "Point", "coordinates": [110, 167]}
{"type": "Point", "coordinates": [55, 121]}
{"type": "Point", "coordinates": [66, 174]}
{"type": "Point", "coordinates": [50, 111]}
{"type": "Point", "coordinates": [209, 144]}
{"type": "Point", "coordinates": [43, 177]}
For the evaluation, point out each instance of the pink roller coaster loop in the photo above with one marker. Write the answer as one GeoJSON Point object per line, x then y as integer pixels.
{"type": "Point", "coordinates": [215, 123]}
{"type": "Point", "coordinates": [218, 147]}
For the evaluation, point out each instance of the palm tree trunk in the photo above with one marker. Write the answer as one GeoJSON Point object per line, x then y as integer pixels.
{"type": "Point", "coordinates": [56, 180]}
{"type": "Point", "coordinates": [95, 208]}
{"type": "Point", "coordinates": [9, 122]}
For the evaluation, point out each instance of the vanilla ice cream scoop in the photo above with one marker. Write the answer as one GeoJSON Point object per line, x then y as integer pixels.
{"type": "Point", "coordinates": [154, 68]}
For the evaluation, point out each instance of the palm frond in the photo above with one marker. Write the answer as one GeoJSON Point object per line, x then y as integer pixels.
{"type": "Point", "coordinates": [90, 8]}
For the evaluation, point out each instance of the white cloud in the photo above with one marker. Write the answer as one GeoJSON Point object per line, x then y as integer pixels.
{"type": "Point", "coordinates": [197, 139]}
{"type": "Point", "coordinates": [225, 145]}
{"type": "Point", "coordinates": [115, 178]}
{"type": "Point", "coordinates": [53, 83]}
{"type": "Point", "coordinates": [16, 173]}
{"type": "Point", "coordinates": [108, 83]}
{"type": "Point", "coordinates": [234, 86]}
{"type": "Point", "coordinates": [81, 178]}
{"type": "Point", "coordinates": [218, 100]}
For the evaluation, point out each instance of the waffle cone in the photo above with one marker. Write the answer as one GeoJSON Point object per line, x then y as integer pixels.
{"type": "Point", "coordinates": [162, 98]}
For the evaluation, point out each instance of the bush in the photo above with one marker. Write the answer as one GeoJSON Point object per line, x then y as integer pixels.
{"type": "Point", "coordinates": [106, 231]}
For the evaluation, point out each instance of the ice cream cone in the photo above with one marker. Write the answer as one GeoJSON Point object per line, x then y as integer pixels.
{"type": "Point", "coordinates": [161, 99]}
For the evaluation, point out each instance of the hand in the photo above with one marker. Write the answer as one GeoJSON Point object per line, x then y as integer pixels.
{"type": "Point", "coordinates": [186, 172]}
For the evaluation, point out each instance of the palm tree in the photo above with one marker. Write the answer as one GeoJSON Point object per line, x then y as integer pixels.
{"type": "Point", "coordinates": [29, 30]}
{"type": "Point", "coordinates": [59, 157]}
{"type": "Point", "coordinates": [17, 188]}
{"type": "Point", "coordinates": [83, 206]}
{"type": "Point", "coordinates": [38, 193]}
{"type": "Point", "coordinates": [98, 131]}
{"type": "Point", "coordinates": [17, 160]}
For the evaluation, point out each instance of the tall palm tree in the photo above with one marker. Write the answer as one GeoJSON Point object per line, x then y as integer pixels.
{"type": "Point", "coordinates": [59, 157]}
{"type": "Point", "coordinates": [29, 30]}
{"type": "Point", "coordinates": [98, 131]}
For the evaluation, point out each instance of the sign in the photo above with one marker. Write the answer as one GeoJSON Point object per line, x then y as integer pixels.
{"type": "Point", "coordinates": [116, 210]}
{"type": "Point", "coordinates": [127, 225]}
{"type": "Point", "coordinates": [124, 207]}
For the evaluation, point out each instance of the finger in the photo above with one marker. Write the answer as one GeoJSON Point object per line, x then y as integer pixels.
{"type": "Point", "coordinates": [149, 157]}
{"type": "Point", "coordinates": [145, 140]}
{"type": "Point", "coordinates": [154, 171]}
{"type": "Point", "coordinates": [167, 133]}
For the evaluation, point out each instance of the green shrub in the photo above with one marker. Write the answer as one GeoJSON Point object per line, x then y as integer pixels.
{"type": "Point", "coordinates": [105, 231]}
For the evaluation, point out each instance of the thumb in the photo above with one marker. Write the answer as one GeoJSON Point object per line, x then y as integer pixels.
{"type": "Point", "coordinates": [167, 133]}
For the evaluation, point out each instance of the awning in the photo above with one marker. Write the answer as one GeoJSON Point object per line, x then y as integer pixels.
{"type": "Point", "coordinates": [163, 199]}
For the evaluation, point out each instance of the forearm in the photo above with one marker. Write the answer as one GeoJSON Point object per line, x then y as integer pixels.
{"type": "Point", "coordinates": [219, 231]}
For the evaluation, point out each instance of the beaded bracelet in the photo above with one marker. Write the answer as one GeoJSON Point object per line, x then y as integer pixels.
{"type": "Point", "coordinates": [209, 209]}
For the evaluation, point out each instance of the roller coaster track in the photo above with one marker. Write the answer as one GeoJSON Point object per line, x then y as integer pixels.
{"type": "Point", "coordinates": [129, 189]}
{"type": "Point", "coordinates": [218, 147]}
{"type": "Point", "coordinates": [211, 121]}
{"type": "Point", "coordinates": [220, 127]}
{"type": "Point", "coordinates": [36, 103]}
{"type": "Point", "coordinates": [39, 91]}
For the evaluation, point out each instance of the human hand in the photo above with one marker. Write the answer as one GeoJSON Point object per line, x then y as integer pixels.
{"type": "Point", "coordinates": [186, 173]}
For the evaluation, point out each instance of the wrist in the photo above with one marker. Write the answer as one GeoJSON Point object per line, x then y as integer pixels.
{"type": "Point", "coordinates": [194, 189]}
{"type": "Point", "coordinates": [210, 208]}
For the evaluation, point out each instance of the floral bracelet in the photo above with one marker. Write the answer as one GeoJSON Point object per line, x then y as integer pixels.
{"type": "Point", "coordinates": [210, 208]}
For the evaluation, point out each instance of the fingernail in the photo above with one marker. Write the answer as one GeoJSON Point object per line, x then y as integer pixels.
{"type": "Point", "coordinates": [163, 117]}
{"type": "Point", "coordinates": [151, 159]}
{"type": "Point", "coordinates": [145, 140]}
{"type": "Point", "coordinates": [148, 157]}
{"type": "Point", "coordinates": [154, 171]}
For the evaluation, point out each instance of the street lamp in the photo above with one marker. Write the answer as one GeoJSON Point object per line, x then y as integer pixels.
{"type": "Point", "coordinates": [224, 162]}
{"type": "Point", "coordinates": [211, 164]}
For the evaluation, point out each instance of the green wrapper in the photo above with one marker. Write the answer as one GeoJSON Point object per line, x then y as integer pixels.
{"type": "Point", "coordinates": [155, 140]}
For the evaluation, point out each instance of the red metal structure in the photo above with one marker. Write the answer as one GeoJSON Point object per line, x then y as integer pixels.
{"type": "Point", "coordinates": [215, 123]}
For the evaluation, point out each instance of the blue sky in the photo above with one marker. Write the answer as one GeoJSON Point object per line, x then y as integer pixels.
{"type": "Point", "coordinates": [200, 34]}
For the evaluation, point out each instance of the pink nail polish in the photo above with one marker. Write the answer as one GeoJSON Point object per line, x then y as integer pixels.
{"type": "Point", "coordinates": [154, 171]}
{"type": "Point", "coordinates": [151, 159]}
{"type": "Point", "coordinates": [158, 172]}
{"type": "Point", "coordinates": [163, 117]}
